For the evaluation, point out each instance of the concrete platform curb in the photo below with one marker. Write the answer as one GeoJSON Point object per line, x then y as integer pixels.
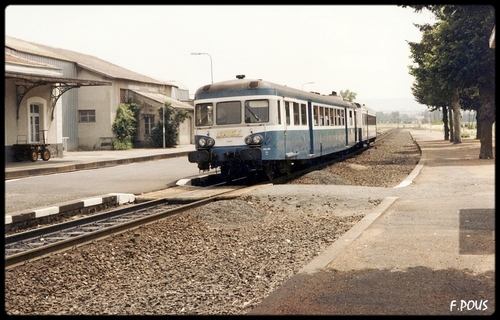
{"type": "Point", "coordinates": [69, 208]}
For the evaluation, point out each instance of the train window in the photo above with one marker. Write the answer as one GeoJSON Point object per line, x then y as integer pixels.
{"type": "Point", "coordinates": [342, 117]}
{"type": "Point", "coordinates": [316, 117]}
{"type": "Point", "coordinates": [350, 118]}
{"type": "Point", "coordinates": [332, 117]}
{"type": "Point", "coordinates": [322, 116]}
{"type": "Point", "coordinates": [372, 120]}
{"type": "Point", "coordinates": [228, 112]}
{"type": "Point", "coordinates": [296, 119]}
{"type": "Point", "coordinates": [303, 114]}
{"type": "Point", "coordinates": [204, 114]}
{"type": "Point", "coordinates": [287, 112]}
{"type": "Point", "coordinates": [256, 111]}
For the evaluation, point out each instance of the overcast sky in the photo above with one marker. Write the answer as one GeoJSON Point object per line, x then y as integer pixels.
{"type": "Point", "coordinates": [360, 48]}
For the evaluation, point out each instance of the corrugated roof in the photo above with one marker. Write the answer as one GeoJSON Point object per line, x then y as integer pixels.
{"type": "Point", "coordinates": [163, 98]}
{"type": "Point", "coordinates": [83, 60]}
{"type": "Point", "coordinates": [10, 58]}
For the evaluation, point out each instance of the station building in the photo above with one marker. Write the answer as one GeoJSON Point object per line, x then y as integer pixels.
{"type": "Point", "coordinates": [68, 100]}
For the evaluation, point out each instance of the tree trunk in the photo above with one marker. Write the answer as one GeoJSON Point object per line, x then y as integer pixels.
{"type": "Point", "coordinates": [455, 105]}
{"type": "Point", "coordinates": [450, 118]}
{"type": "Point", "coordinates": [445, 123]}
{"type": "Point", "coordinates": [485, 119]}
{"type": "Point", "coordinates": [479, 124]}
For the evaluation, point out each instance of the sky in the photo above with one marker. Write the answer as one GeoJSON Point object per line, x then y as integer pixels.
{"type": "Point", "coordinates": [360, 48]}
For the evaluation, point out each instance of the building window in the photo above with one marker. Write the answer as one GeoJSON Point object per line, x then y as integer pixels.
{"type": "Point", "coordinates": [34, 122]}
{"type": "Point", "coordinates": [123, 96]}
{"type": "Point", "coordinates": [149, 121]}
{"type": "Point", "coordinates": [86, 115]}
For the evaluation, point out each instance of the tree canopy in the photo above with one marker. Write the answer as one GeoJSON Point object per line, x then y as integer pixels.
{"type": "Point", "coordinates": [455, 67]}
{"type": "Point", "coordinates": [348, 95]}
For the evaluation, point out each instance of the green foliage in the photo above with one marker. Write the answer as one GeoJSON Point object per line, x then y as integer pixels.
{"type": "Point", "coordinates": [122, 145]}
{"type": "Point", "coordinates": [125, 126]}
{"type": "Point", "coordinates": [173, 118]}
{"type": "Point", "coordinates": [453, 54]}
{"type": "Point", "coordinates": [348, 95]}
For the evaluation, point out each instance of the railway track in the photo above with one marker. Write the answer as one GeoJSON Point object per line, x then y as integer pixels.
{"type": "Point", "coordinates": [38, 243]}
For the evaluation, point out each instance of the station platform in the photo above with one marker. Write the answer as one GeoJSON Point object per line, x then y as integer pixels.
{"type": "Point", "coordinates": [81, 160]}
{"type": "Point", "coordinates": [430, 250]}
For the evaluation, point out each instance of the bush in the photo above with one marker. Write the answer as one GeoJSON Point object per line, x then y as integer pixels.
{"type": "Point", "coordinates": [125, 126]}
{"type": "Point", "coordinates": [122, 145]}
{"type": "Point", "coordinates": [173, 118]}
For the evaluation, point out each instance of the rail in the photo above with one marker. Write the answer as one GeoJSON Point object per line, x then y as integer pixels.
{"type": "Point", "coordinates": [38, 243]}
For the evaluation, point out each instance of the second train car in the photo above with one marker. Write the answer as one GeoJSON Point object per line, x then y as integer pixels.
{"type": "Point", "coordinates": [244, 126]}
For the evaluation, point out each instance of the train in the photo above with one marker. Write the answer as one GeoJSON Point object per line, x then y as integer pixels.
{"type": "Point", "coordinates": [244, 127]}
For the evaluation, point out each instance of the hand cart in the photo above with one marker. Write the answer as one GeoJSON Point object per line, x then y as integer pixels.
{"type": "Point", "coordinates": [23, 150]}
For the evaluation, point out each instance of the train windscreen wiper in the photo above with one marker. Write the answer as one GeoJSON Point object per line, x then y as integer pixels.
{"type": "Point", "coordinates": [253, 114]}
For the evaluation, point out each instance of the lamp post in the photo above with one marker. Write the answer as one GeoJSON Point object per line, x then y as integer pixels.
{"type": "Point", "coordinates": [163, 106]}
{"type": "Point", "coordinates": [305, 84]}
{"type": "Point", "coordinates": [211, 68]}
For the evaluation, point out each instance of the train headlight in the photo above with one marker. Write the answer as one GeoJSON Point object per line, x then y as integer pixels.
{"type": "Point", "coordinates": [202, 142]}
{"type": "Point", "coordinates": [257, 139]}
{"type": "Point", "coordinates": [206, 142]}
{"type": "Point", "coordinates": [253, 139]}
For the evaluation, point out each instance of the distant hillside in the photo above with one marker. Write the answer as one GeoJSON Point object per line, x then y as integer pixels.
{"type": "Point", "coordinates": [403, 105]}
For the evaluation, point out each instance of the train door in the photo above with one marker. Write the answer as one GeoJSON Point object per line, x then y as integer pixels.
{"type": "Point", "coordinates": [311, 127]}
{"type": "Point", "coordinates": [346, 125]}
{"type": "Point", "coordinates": [286, 124]}
{"type": "Point", "coordinates": [356, 136]}
{"type": "Point", "coordinates": [365, 123]}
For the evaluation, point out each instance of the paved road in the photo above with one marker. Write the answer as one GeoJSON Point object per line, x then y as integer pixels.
{"type": "Point", "coordinates": [135, 178]}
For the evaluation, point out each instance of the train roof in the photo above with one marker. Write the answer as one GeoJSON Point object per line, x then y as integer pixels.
{"type": "Point", "coordinates": [246, 87]}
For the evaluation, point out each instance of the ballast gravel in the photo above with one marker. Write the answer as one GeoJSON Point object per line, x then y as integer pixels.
{"type": "Point", "coordinates": [220, 259]}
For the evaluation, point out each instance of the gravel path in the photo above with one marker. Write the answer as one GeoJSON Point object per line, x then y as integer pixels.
{"type": "Point", "coordinates": [219, 259]}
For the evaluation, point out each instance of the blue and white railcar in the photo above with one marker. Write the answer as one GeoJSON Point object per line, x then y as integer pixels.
{"type": "Point", "coordinates": [366, 122]}
{"type": "Point", "coordinates": [248, 125]}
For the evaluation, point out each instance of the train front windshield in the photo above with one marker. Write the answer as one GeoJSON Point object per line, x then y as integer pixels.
{"type": "Point", "coordinates": [204, 114]}
{"type": "Point", "coordinates": [256, 111]}
{"type": "Point", "coordinates": [230, 112]}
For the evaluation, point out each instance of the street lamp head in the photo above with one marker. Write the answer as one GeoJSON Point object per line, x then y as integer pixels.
{"type": "Point", "coordinates": [211, 68]}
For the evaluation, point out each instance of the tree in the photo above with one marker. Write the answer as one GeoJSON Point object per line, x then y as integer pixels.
{"type": "Point", "coordinates": [173, 118]}
{"type": "Point", "coordinates": [348, 95]}
{"type": "Point", "coordinates": [457, 56]}
{"type": "Point", "coordinates": [427, 88]}
{"type": "Point", "coordinates": [124, 126]}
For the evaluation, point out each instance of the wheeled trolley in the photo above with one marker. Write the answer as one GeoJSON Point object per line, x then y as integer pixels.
{"type": "Point", "coordinates": [24, 150]}
{"type": "Point", "coordinates": [31, 151]}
